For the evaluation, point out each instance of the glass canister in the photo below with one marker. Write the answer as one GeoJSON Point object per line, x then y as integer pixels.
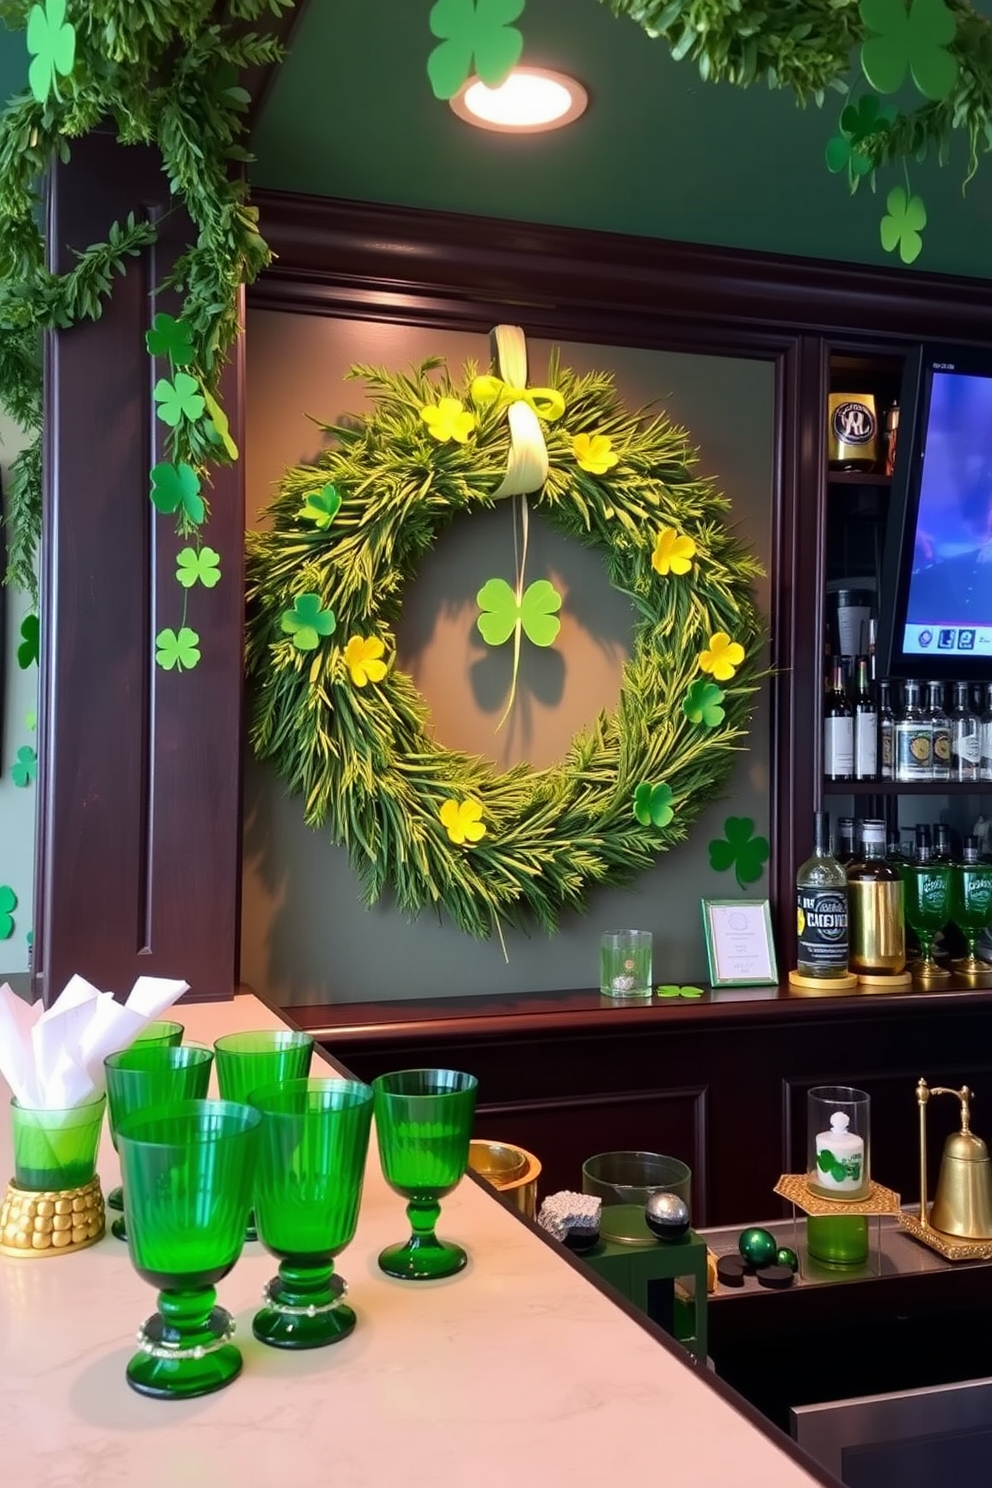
{"type": "Point", "coordinates": [838, 1133]}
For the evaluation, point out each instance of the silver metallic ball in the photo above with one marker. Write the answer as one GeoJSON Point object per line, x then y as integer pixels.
{"type": "Point", "coordinates": [667, 1216]}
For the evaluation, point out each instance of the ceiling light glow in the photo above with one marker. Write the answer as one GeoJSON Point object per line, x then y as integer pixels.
{"type": "Point", "coordinates": [530, 99]}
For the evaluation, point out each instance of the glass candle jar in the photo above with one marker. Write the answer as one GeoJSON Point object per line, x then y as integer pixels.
{"type": "Point", "coordinates": [837, 1127]}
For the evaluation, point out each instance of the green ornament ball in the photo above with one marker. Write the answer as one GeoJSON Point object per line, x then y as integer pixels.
{"type": "Point", "coordinates": [786, 1256]}
{"type": "Point", "coordinates": [758, 1247]}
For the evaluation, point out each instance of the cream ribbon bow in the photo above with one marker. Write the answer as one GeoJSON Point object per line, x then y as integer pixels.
{"type": "Point", "coordinates": [527, 466]}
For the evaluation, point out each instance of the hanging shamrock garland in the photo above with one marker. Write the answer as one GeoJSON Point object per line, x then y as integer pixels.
{"type": "Point", "coordinates": [349, 732]}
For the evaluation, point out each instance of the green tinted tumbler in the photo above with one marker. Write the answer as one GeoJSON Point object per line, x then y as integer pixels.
{"type": "Point", "coordinates": [56, 1150]}
{"type": "Point", "coordinates": [311, 1163]}
{"type": "Point", "coordinates": [161, 1031]}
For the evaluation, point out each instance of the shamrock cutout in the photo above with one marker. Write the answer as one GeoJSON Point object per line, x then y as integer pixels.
{"type": "Point", "coordinates": [31, 719]}
{"type": "Point", "coordinates": [594, 452]}
{"type": "Point", "coordinates": [52, 43]}
{"type": "Point", "coordinates": [177, 650]}
{"type": "Point", "coordinates": [363, 658]}
{"type": "Point", "coordinates": [27, 651]}
{"type": "Point", "coordinates": [307, 621]}
{"type": "Point", "coordinates": [25, 767]}
{"type": "Point", "coordinates": [470, 29]}
{"type": "Point", "coordinates": [503, 613]}
{"type": "Point", "coordinates": [740, 850]}
{"type": "Point", "coordinates": [8, 903]}
{"type": "Point", "coordinates": [673, 553]}
{"type": "Point", "coordinates": [201, 567]}
{"type": "Point", "coordinates": [858, 122]}
{"type": "Point", "coordinates": [702, 701]}
{"type": "Point", "coordinates": [653, 804]}
{"type": "Point", "coordinates": [670, 990]}
{"type": "Point", "coordinates": [461, 821]}
{"type": "Point", "coordinates": [448, 419]}
{"type": "Point", "coordinates": [321, 507]}
{"type": "Point", "coordinates": [178, 399]}
{"type": "Point", "coordinates": [170, 338]}
{"type": "Point", "coordinates": [901, 226]}
{"type": "Point", "coordinates": [914, 40]}
{"type": "Point", "coordinates": [722, 657]}
{"type": "Point", "coordinates": [219, 428]}
{"type": "Point", "coordinates": [177, 488]}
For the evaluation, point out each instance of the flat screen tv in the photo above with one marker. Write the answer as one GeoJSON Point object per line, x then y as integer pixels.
{"type": "Point", "coordinates": [935, 604]}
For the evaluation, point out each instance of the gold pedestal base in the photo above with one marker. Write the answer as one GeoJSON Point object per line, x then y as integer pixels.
{"type": "Point", "coordinates": [58, 1222]}
{"type": "Point", "coordinates": [951, 1247]}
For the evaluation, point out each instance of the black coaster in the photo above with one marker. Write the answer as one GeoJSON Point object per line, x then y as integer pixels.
{"type": "Point", "coordinates": [776, 1277]}
{"type": "Point", "coordinates": [580, 1238]}
{"type": "Point", "coordinates": [731, 1271]}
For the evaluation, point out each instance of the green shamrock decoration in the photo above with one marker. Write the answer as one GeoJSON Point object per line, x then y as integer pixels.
{"type": "Point", "coordinates": [25, 767]}
{"type": "Point", "coordinates": [180, 651]}
{"type": "Point", "coordinates": [201, 567]}
{"type": "Point", "coordinates": [470, 30]}
{"type": "Point", "coordinates": [653, 804]}
{"type": "Point", "coordinates": [306, 622]}
{"type": "Point", "coordinates": [178, 399]}
{"type": "Point", "coordinates": [31, 719]}
{"type": "Point", "coordinates": [670, 990]}
{"type": "Point", "coordinates": [858, 122]}
{"type": "Point", "coordinates": [28, 650]}
{"type": "Point", "coordinates": [702, 703]}
{"type": "Point", "coordinates": [740, 850]}
{"type": "Point", "coordinates": [8, 903]}
{"type": "Point", "coordinates": [321, 507]}
{"type": "Point", "coordinates": [177, 488]}
{"type": "Point", "coordinates": [218, 426]}
{"type": "Point", "coordinates": [170, 338]}
{"type": "Point", "coordinates": [913, 40]}
{"type": "Point", "coordinates": [901, 226]}
{"type": "Point", "coordinates": [52, 43]}
{"type": "Point", "coordinates": [502, 614]}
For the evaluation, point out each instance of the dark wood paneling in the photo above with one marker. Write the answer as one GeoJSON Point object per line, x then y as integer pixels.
{"type": "Point", "coordinates": [139, 777]}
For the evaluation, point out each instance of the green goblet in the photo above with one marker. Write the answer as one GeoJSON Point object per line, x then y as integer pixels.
{"type": "Point", "coordinates": [151, 1074]}
{"type": "Point", "coordinates": [308, 1186]}
{"type": "Point", "coordinates": [248, 1061]}
{"type": "Point", "coordinates": [161, 1031]}
{"type": "Point", "coordinates": [188, 1173]}
{"type": "Point", "coordinates": [423, 1121]}
{"type": "Point", "coordinates": [971, 907]}
{"type": "Point", "coordinates": [927, 888]}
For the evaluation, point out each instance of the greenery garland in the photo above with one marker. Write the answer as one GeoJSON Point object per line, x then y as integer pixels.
{"type": "Point", "coordinates": [349, 732]}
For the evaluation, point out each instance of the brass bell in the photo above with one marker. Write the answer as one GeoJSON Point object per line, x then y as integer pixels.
{"type": "Point", "coordinates": [962, 1205]}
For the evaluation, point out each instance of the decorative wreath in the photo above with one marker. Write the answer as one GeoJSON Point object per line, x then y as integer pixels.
{"type": "Point", "coordinates": [349, 732]}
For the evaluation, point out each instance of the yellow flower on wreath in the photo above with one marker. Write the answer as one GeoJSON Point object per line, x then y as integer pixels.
{"type": "Point", "coordinates": [362, 658]}
{"type": "Point", "coordinates": [673, 552]}
{"type": "Point", "coordinates": [448, 419]}
{"type": "Point", "coordinates": [461, 820]}
{"type": "Point", "coordinates": [723, 656]}
{"type": "Point", "coordinates": [594, 453]}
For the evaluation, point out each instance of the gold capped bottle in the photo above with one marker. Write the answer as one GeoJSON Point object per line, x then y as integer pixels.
{"type": "Point", "coordinates": [821, 910]}
{"type": "Point", "coordinates": [875, 906]}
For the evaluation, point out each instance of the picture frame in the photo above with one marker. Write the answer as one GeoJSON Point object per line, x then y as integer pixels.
{"type": "Point", "coordinates": [740, 946]}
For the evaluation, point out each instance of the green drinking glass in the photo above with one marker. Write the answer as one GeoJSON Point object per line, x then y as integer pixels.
{"type": "Point", "coordinates": [268, 1056]}
{"type": "Point", "coordinates": [188, 1174]}
{"type": "Point", "coordinates": [971, 909]}
{"type": "Point", "coordinates": [312, 1148]}
{"type": "Point", "coordinates": [423, 1122]}
{"type": "Point", "coordinates": [55, 1150]}
{"type": "Point", "coordinates": [161, 1031]}
{"type": "Point", "coordinates": [151, 1074]}
{"type": "Point", "coordinates": [927, 890]}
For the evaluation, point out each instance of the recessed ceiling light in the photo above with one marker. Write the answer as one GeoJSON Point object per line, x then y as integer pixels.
{"type": "Point", "coordinates": [531, 99]}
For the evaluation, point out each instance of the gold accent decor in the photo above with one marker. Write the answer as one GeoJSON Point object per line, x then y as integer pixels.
{"type": "Point", "coordinates": [878, 1200]}
{"type": "Point", "coordinates": [50, 1223]}
{"type": "Point", "coordinates": [822, 986]}
{"type": "Point", "coordinates": [889, 981]}
{"type": "Point", "coordinates": [963, 1189]}
{"type": "Point", "coordinates": [510, 1170]}
{"type": "Point", "coordinates": [949, 1246]}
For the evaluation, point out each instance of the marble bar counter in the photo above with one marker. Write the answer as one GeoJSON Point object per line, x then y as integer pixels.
{"type": "Point", "coordinates": [522, 1369]}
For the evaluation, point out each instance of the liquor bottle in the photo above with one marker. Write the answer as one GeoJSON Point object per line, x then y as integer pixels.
{"type": "Point", "coordinates": [886, 732]}
{"type": "Point", "coordinates": [865, 726]}
{"type": "Point", "coordinates": [912, 737]}
{"type": "Point", "coordinates": [940, 732]}
{"type": "Point", "coordinates": [845, 839]}
{"type": "Point", "coordinates": [966, 745]}
{"type": "Point", "coordinates": [942, 850]}
{"type": "Point", "coordinates": [821, 910]}
{"type": "Point", "coordinates": [985, 764]}
{"type": "Point", "coordinates": [838, 728]}
{"type": "Point", "coordinates": [875, 907]}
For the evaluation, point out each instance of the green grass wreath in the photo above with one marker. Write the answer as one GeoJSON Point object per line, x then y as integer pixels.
{"type": "Point", "coordinates": [349, 732]}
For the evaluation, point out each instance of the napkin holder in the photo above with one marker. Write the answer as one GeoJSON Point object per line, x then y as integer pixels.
{"type": "Point", "coordinates": [47, 1222]}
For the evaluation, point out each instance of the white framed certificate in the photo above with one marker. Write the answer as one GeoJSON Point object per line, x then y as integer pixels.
{"type": "Point", "coordinates": [739, 943]}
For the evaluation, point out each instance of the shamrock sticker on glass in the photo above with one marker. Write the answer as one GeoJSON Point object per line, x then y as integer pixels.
{"type": "Point", "coordinates": [201, 567]}
{"type": "Point", "coordinates": [470, 31]}
{"type": "Point", "coordinates": [911, 39]}
{"type": "Point", "coordinates": [8, 903]}
{"type": "Point", "coordinates": [673, 552]}
{"type": "Point", "coordinates": [307, 621]}
{"type": "Point", "coordinates": [740, 850]}
{"type": "Point", "coordinates": [25, 767]}
{"type": "Point", "coordinates": [363, 658]}
{"type": "Point", "coordinates": [594, 453]}
{"type": "Point", "coordinates": [179, 649]}
{"type": "Point", "coordinates": [722, 657]}
{"type": "Point", "coordinates": [858, 122]}
{"type": "Point", "coordinates": [27, 651]}
{"type": "Point", "coordinates": [321, 507]}
{"type": "Point", "coordinates": [901, 226]}
{"type": "Point", "coordinates": [448, 419]}
{"type": "Point", "coordinates": [653, 804]}
{"type": "Point", "coordinates": [51, 42]}
{"type": "Point", "coordinates": [671, 990]}
{"type": "Point", "coordinates": [178, 399]}
{"type": "Point", "coordinates": [176, 488]}
{"type": "Point", "coordinates": [170, 338]}
{"type": "Point", "coordinates": [702, 703]}
{"type": "Point", "coordinates": [462, 821]}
